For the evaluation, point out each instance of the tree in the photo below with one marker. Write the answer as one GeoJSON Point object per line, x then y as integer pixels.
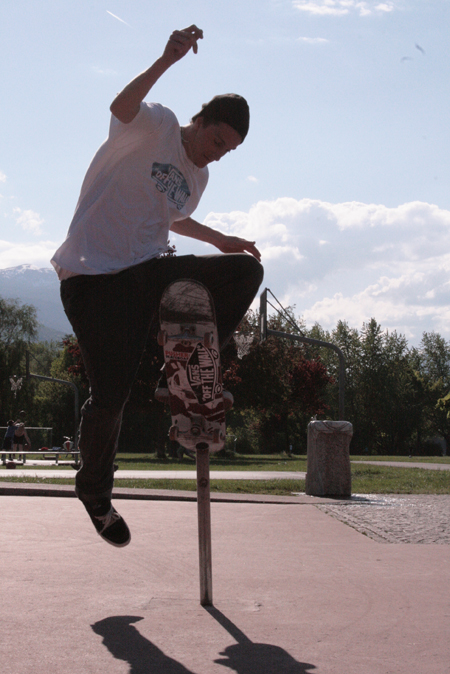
{"type": "Point", "coordinates": [434, 358]}
{"type": "Point", "coordinates": [18, 327]}
{"type": "Point", "coordinates": [383, 392]}
{"type": "Point", "coordinates": [18, 322]}
{"type": "Point", "coordinates": [277, 388]}
{"type": "Point", "coordinates": [432, 361]}
{"type": "Point", "coordinates": [54, 402]}
{"type": "Point", "coordinates": [396, 397]}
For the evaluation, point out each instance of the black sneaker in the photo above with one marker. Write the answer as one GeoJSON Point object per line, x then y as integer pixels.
{"type": "Point", "coordinates": [109, 524]}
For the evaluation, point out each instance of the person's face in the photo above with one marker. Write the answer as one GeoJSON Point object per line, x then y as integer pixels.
{"type": "Point", "coordinates": [210, 143]}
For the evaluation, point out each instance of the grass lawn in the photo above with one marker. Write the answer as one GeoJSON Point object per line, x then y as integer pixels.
{"type": "Point", "coordinates": [366, 479]}
{"type": "Point", "coordinates": [402, 459]}
{"type": "Point", "coordinates": [241, 462]}
{"type": "Point", "coordinates": [254, 462]}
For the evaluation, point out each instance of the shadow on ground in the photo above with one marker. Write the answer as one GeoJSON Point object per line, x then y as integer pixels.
{"type": "Point", "coordinates": [124, 642]}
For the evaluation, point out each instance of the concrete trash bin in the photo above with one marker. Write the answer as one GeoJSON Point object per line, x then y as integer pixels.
{"type": "Point", "coordinates": [328, 461]}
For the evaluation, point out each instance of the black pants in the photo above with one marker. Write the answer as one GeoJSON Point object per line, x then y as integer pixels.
{"type": "Point", "coordinates": [112, 315]}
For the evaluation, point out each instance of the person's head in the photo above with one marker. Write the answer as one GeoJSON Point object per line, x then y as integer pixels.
{"type": "Point", "coordinates": [10, 422]}
{"type": "Point", "coordinates": [219, 127]}
{"type": "Point", "coordinates": [230, 109]}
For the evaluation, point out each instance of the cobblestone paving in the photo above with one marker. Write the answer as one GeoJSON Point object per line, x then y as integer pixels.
{"type": "Point", "coordinates": [396, 519]}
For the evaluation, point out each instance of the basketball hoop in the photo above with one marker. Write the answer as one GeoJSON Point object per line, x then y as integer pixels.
{"type": "Point", "coordinates": [16, 384]}
{"type": "Point", "coordinates": [243, 343]}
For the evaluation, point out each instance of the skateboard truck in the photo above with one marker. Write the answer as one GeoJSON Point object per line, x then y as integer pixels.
{"type": "Point", "coordinates": [197, 435]}
{"type": "Point", "coordinates": [188, 336]}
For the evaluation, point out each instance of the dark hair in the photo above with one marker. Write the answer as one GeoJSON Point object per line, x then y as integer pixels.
{"type": "Point", "coordinates": [231, 109]}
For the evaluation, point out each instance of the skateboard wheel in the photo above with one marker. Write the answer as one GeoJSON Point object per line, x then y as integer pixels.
{"type": "Point", "coordinates": [208, 339]}
{"type": "Point", "coordinates": [173, 433]}
{"type": "Point", "coordinates": [162, 337]}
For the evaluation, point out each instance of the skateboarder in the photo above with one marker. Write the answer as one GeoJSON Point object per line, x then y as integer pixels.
{"type": "Point", "coordinates": [146, 179]}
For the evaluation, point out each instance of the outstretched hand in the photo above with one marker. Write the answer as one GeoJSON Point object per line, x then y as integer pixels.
{"type": "Point", "coordinates": [224, 242]}
{"type": "Point", "coordinates": [181, 41]}
{"type": "Point", "coordinates": [234, 244]}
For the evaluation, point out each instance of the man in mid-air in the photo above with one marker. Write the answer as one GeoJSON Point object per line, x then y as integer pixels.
{"type": "Point", "coordinates": [146, 179]}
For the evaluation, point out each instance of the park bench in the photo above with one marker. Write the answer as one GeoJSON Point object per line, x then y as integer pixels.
{"type": "Point", "coordinates": [55, 452]}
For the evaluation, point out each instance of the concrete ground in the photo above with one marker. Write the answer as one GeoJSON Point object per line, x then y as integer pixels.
{"type": "Point", "coordinates": [296, 591]}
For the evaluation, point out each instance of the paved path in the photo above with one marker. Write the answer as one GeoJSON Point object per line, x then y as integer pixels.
{"type": "Point", "coordinates": [162, 474]}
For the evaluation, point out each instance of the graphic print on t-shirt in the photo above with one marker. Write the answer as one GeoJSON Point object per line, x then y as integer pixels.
{"type": "Point", "coordinates": [171, 181]}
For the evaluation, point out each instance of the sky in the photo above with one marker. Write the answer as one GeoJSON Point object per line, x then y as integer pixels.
{"type": "Point", "coordinates": [343, 180]}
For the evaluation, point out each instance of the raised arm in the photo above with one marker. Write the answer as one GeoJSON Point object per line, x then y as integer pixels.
{"type": "Point", "coordinates": [126, 105]}
{"type": "Point", "coordinates": [224, 242]}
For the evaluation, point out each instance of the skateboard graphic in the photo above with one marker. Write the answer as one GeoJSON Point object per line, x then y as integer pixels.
{"type": "Point", "coordinates": [190, 343]}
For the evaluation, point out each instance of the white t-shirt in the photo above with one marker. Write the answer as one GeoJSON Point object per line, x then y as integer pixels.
{"type": "Point", "coordinates": [139, 182]}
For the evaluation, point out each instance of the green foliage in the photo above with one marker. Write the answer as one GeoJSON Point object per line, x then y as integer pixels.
{"type": "Point", "coordinates": [55, 402]}
{"type": "Point", "coordinates": [396, 397]}
{"type": "Point", "coordinates": [18, 323]}
{"type": "Point", "coordinates": [392, 391]}
{"type": "Point", "coordinates": [276, 387]}
{"type": "Point", "coordinates": [18, 327]}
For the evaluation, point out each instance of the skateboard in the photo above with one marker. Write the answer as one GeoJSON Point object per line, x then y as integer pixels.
{"type": "Point", "coordinates": [190, 343]}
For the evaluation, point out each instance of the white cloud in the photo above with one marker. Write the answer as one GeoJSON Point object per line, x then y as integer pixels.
{"type": "Point", "coordinates": [353, 261]}
{"type": "Point", "coordinates": [282, 252]}
{"type": "Point", "coordinates": [104, 71]}
{"type": "Point", "coordinates": [29, 221]}
{"type": "Point", "coordinates": [2, 177]}
{"type": "Point", "coordinates": [321, 7]}
{"type": "Point", "coordinates": [313, 40]}
{"type": "Point", "coordinates": [343, 7]}
{"type": "Point", "coordinates": [252, 179]}
{"type": "Point", "coordinates": [15, 254]}
{"type": "Point", "coordinates": [348, 261]}
{"type": "Point", "coordinates": [384, 7]}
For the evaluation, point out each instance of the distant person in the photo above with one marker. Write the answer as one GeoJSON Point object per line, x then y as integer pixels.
{"type": "Point", "coordinates": [8, 440]}
{"type": "Point", "coordinates": [145, 181]}
{"type": "Point", "coordinates": [22, 418]}
{"type": "Point", "coordinates": [20, 438]}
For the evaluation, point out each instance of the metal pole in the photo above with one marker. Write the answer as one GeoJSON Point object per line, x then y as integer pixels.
{"type": "Point", "coordinates": [204, 527]}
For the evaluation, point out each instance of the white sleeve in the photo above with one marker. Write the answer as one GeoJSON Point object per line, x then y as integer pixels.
{"type": "Point", "coordinates": [147, 121]}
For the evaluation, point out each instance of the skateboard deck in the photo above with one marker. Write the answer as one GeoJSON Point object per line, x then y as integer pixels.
{"type": "Point", "coordinates": [190, 343]}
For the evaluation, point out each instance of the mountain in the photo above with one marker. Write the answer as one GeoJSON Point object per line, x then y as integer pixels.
{"type": "Point", "coordinates": [39, 287]}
